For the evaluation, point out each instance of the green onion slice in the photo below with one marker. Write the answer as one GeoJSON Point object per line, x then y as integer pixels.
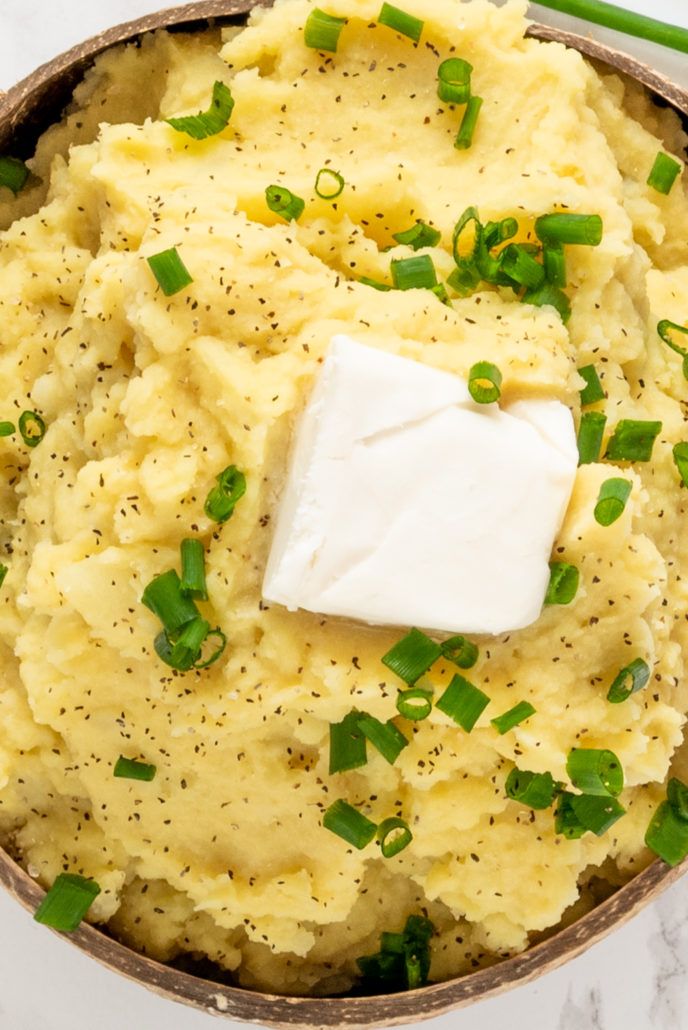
{"type": "Point", "coordinates": [347, 744]}
{"type": "Point", "coordinates": [460, 651]}
{"type": "Point", "coordinates": [171, 273]}
{"type": "Point", "coordinates": [284, 203]}
{"type": "Point", "coordinates": [629, 681]}
{"type": "Point", "coordinates": [592, 392]}
{"type": "Point", "coordinates": [595, 771]}
{"type": "Point", "coordinates": [164, 597]}
{"type": "Point", "coordinates": [7, 429]}
{"type": "Point", "coordinates": [590, 436]}
{"type": "Point", "coordinates": [403, 962]}
{"type": "Point", "coordinates": [569, 228]}
{"type": "Point", "coordinates": [495, 233]}
{"type": "Point", "coordinates": [554, 261]}
{"type": "Point", "coordinates": [329, 185]}
{"type": "Point", "coordinates": [414, 704]}
{"type": "Point", "coordinates": [536, 790]}
{"type": "Point", "coordinates": [667, 835]}
{"type": "Point", "coordinates": [464, 139]}
{"type": "Point", "coordinates": [520, 266]}
{"type": "Point", "coordinates": [67, 902]}
{"type": "Point", "coordinates": [633, 440]}
{"type": "Point", "coordinates": [470, 216]}
{"type": "Point", "coordinates": [418, 236]}
{"type": "Point", "coordinates": [128, 769]}
{"type": "Point", "coordinates": [211, 122]}
{"type": "Point", "coordinates": [349, 824]}
{"type": "Point", "coordinates": [384, 736]}
{"type": "Point", "coordinates": [193, 582]}
{"type": "Point", "coordinates": [213, 634]}
{"type": "Point", "coordinates": [184, 653]}
{"type": "Point", "coordinates": [3, 573]}
{"type": "Point", "coordinates": [322, 31]}
{"type": "Point", "coordinates": [611, 500]}
{"type": "Point", "coordinates": [465, 279]}
{"type": "Point", "coordinates": [463, 702]}
{"type": "Point", "coordinates": [566, 822]}
{"type": "Point", "coordinates": [392, 841]}
{"type": "Point", "coordinates": [680, 453]}
{"type": "Point", "coordinates": [13, 174]}
{"type": "Point", "coordinates": [32, 428]}
{"type": "Point", "coordinates": [223, 498]}
{"type": "Point", "coordinates": [516, 715]}
{"type": "Point", "coordinates": [484, 382]}
{"type": "Point", "coordinates": [563, 583]}
{"type": "Point", "coordinates": [375, 285]}
{"type": "Point", "coordinates": [454, 81]}
{"type": "Point", "coordinates": [579, 813]}
{"type": "Point", "coordinates": [401, 22]}
{"type": "Point", "coordinates": [664, 173]}
{"type": "Point", "coordinates": [677, 796]}
{"type": "Point", "coordinates": [665, 328]}
{"type": "Point", "coordinates": [551, 296]}
{"type": "Point", "coordinates": [414, 273]}
{"type": "Point", "coordinates": [412, 656]}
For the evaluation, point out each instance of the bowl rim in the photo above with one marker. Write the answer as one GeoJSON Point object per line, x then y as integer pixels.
{"type": "Point", "coordinates": [237, 1003]}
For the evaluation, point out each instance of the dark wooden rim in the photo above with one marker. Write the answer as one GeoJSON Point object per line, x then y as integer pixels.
{"type": "Point", "coordinates": [24, 111]}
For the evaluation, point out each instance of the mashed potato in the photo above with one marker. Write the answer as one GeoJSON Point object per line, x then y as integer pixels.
{"type": "Point", "coordinates": [147, 399]}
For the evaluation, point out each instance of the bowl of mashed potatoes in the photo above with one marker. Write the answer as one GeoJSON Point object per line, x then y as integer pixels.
{"type": "Point", "coordinates": [342, 600]}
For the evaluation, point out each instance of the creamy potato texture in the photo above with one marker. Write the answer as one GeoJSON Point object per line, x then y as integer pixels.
{"type": "Point", "coordinates": [147, 399]}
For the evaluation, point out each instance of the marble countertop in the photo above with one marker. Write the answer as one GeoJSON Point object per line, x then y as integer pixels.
{"type": "Point", "coordinates": [637, 979]}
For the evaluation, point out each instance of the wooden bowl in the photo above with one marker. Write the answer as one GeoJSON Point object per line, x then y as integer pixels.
{"type": "Point", "coordinates": [25, 111]}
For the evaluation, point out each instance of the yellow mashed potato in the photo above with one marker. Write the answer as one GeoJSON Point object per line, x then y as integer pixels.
{"type": "Point", "coordinates": [147, 399]}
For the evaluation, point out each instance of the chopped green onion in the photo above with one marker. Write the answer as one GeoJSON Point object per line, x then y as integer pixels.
{"type": "Point", "coordinates": [664, 173]}
{"type": "Point", "coordinates": [349, 824]}
{"type": "Point", "coordinates": [495, 233]}
{"type": "Point", "coordinates": [170, 271]}
{"type": "Point", "coordinates": [284, 203]}
{"type": "Point", "coordinates": [223, 498]}
{"type": "Point", "coordinates": [518, 264]}
{"type": "Point", "coordinates": [680, 453]}
{"type": "Point", "coordinates": [13, 174]}
{"type": "Point", "coordinates": [629, 681]}
{"type": "Point", "coordinates": [536, 790]}
{"type": "Point", "coordinates": [322, 31]}
{"type": "Point", "coordinates": [551, 296]}
{"type": "Point", "coordinates": [677, 796]}
{"type": "Point", "coordinates": [414, 704]}
{"type": "Point", "coordinates": [590, 436]}
{"type": "Point", "coordinates": [65, 905]}
{"type": "Point", "coordinates": [592, 392]}
{"type": "Point", "coordinates": [460, 651]}
{"type": "Point", "coordinates": [211, 122]}
{"type": "Point", "coordinates": [665, 328]}
{"type": "Point", "coordinates": [568, 228]}
{"type": "Point", "coordinates": [579, 813]}
{"type": "Point", "coordinates": [464, 139]}
{"type": "Point", "coordinates": [329, 185]}
{"type": "Point", "coordinates": [516, 715]}
{"type": "Point", "coordinates": [193, 582]}
{"type": "Point", "coordinates": [595, 771]}
{"type": "Point", "coordinates": [484, 382]}
{"type": "Point", "coordinates": [3, 573]}
{"type": "Point", "coordinates": [554, 260]}
{"type": "Point", "coordinates": [128, 769]}
{"type": "Point", "coordinates": [375, 285]}
{"type": "Point", "coordinates": [412, 656]}
{"type": "Point", "coordinates": [32, 428]}
{"type": "Point", "coordinates": [563, 583]}
{"type": "Point", "coordinates": [401, 22]}
{"type": "Point", "coordinates": [7, 429]}
{"type": "Point", "coordinates": [469, 215]}
{"type": "Point", "coordinates": [164, 597]}
{"type": "Point", "coordinates": [454, 81]}
{"type": "Point", "coordinates": [183, 654]}
{"type": "Point", "coordinates": [633, 440]}
{"type": "Point", "coordinates": [667, 835]}
{"type": "Point", "coordinates": [403, 962]}
{"type": "Point", "coordinates": [384, 736]}
{"type": "Point", "coordinates": [391, 840]}
{"type": "Point", "coordinates": [464, 279]}
{"type": "Point", "coordinates": [214, 655]}
{"type": "Point", "coordinates": [347, 744]}
{"type": "Point", "coordinates": [418, 236]}
{"type": "Point", "coordinates": [415, 273]}
{"type": "Point", "coordinates": [613, 17]}
{"type": "Point", "coordinates": [463, 702]}
{"type": "Point", "coordinates": [611, 500]}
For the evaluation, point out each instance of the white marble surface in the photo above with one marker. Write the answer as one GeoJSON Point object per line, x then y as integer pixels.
{"type": "Point", "coordinates": [635, 980]}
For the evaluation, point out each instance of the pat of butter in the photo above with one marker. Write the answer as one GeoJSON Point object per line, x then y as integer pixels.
{"type": "Point", "coordinates": [408, 504]}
